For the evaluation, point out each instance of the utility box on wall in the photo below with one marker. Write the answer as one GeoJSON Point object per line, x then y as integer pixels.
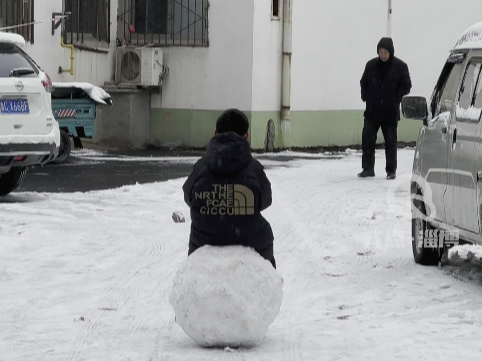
{"type": "Point", "coordinates": [139, 66]}
{"type": "Point", "coordinates": [125, 125]}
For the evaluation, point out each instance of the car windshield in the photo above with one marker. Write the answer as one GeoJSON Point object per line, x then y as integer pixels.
{"type": "Point", "coordinates": [14, 63]}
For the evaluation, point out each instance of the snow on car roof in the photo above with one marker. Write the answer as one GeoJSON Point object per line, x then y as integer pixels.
{"type": "Point", "coordinates": [470, 38]}
{"type": "Point", "coordinates": [12, 38]}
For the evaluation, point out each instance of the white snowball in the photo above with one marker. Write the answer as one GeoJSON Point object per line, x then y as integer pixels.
{"type": "Point", "coordinates": [226, 296]}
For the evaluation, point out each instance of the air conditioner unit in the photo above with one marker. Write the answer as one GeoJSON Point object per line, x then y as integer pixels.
{"type": "Point", "coordinates": [140, 66]}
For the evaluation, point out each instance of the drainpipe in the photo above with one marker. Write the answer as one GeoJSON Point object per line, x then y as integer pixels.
{"type": "Point", "coordinates": [389, 19]}
{"type": "Point", "coordinates": [63, 45]}
{"type": "Point", "coordinates": [286, 65]}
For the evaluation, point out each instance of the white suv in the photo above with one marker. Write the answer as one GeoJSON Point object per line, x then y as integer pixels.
{"type": "Point", "coordinates": [29, 133]}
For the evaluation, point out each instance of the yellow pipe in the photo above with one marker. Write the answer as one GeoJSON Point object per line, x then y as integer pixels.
{"type": "Point", "coordinates": [72, 49]}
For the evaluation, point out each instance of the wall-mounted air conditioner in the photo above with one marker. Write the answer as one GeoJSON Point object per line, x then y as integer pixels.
{"type": "Point", "coordinates": [140, 66]}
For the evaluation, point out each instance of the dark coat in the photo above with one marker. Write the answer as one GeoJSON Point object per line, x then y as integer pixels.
{"type": "Point", "coordinates": [226, 192]}
{"type": "Point", "coordinates": [383, 86]}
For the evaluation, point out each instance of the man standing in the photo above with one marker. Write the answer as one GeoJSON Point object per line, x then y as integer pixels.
{"type": "Point", "coordinates": [385, 81]}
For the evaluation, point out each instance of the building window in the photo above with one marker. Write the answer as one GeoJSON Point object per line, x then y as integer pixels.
{"type": "Point", "coordinates": [275, 9]}
{"type": "Point", "coordinates": [17, 16]}
{"type": "Point", "coordinates": [163, 22]}
{"type": "Point", "coordinates": [89, 21]}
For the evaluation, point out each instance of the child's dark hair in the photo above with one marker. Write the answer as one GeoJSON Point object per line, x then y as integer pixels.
{"type": "Point", "coordinates": [232, 120]}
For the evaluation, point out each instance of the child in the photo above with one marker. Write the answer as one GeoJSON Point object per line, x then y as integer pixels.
{"type": "Point", "coordinates": [227, 190]}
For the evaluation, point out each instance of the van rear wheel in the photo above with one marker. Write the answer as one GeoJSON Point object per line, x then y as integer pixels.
{"type": "Point", "coordinates": [425, 241]}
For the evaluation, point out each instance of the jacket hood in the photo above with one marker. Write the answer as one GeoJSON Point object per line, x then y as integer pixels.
{"type": "Point", "coordinates": [227, 153]}
{"type": "Point", "coordinates": [387, 44]}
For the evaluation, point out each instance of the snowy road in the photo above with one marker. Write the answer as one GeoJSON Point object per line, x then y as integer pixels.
{"type": "Point", "coordinates": [86, 276]}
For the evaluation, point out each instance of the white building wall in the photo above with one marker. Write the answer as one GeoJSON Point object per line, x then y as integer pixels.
{"type": "Point", "coordinates": [46, 50]}
{"type": "Point", "coordinates": [89, 66]}
{"type": "Point", "coordinates": [219, 76]}
{"type": "Point", "coordinates": [267, 58]}
{"type": "Point", "coordinates": [332, 41]}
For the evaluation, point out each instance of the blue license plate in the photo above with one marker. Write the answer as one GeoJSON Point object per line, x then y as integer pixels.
{"type": "Point", "coordinates": [14, 106]}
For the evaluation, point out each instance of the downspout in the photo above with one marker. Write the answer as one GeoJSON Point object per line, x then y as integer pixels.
{"type": "Point", "coordinates": [63, 45]}
{"type": "Point", "coordinates": [286, 65]}
{"type": "Point", "coordinates": [389, 19]}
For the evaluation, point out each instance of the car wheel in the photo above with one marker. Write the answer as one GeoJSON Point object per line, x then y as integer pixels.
{"type": "Point", "coordinates": [64, 150]}
{"type": "Point", "coordinates": [425, 241]}
{"type": "Point", "coordinates": [11, 180]}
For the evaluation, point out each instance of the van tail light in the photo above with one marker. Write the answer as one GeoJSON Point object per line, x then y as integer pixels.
{"type": "Point", "coordinates": [47, 83]}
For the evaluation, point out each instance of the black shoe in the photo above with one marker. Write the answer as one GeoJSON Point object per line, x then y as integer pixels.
{"type": "Point", "coordinates": [391, 176]}
{"type": "Point", "coordinates": [366, 173]}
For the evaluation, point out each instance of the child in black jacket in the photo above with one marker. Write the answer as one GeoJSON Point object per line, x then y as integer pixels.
{"type": "Point", "coordinates": [227, 190]}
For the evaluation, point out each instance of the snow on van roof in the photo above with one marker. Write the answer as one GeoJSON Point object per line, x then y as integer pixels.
{"type": "Point", "coordinates": [12, 38]}
{"type": "Point", "coordinates": [470, 38]}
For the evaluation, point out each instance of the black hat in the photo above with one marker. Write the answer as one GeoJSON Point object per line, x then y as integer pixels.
{"type": "Point", "coordinates": [232, 120]}
{"type": "Point", "coordinates": [387, 44]}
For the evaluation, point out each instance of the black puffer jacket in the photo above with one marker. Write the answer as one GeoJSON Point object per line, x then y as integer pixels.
{"type": "Point", "coordinates": [226, 192]}
{"type": "Point", "coordinates": [383, 85]}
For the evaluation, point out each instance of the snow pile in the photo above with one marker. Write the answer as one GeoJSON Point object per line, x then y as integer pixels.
{"type": "Point", "coordinates": [226, 296]}
{"type": "Point", "coordinates": [466, 252]}
{"type": "Point", "coordinates": [465, 262]}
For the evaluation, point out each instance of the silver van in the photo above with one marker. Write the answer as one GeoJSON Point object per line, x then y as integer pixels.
{"type": "Point", "coordinates": [446, 185]}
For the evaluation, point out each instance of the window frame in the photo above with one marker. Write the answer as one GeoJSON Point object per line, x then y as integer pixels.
{"type": "Point", "coordinates": [73, 32]}
{"type": "Point", "coordinates": [19, 12]}
{"type": "Point", "coordinates": [179, 30]}
{"type": "Point", "coordinates": [275, 3]}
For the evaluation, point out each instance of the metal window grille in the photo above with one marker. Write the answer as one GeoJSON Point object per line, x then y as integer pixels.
{"type": "Point", "coordinates": [18, 13]}
{"type": "Point", "coordinates": [164, 22]}
{"type": "Point", "coordinates": [88, 20]}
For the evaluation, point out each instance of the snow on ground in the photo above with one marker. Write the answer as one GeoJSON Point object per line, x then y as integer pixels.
{"type": "Point", "coordinates": [86, 276]}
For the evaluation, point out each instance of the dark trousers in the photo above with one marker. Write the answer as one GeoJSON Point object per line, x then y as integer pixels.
{"type": "Point", "coordinates": [369, 139]}
{"type": "Point", "coordinates": [265, 253]}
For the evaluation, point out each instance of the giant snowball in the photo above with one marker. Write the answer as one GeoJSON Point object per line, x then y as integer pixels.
{"type": "Point", "coordinates": [226, 296]}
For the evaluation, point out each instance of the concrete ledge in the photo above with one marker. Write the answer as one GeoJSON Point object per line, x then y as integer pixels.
{"type": "Point", "coordinates": [126, 124]}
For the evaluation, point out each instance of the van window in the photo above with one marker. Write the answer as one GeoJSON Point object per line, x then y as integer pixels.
{"type": "Point", "coordinates": [467, 96]}
{"type": "Point", "coordinates": [468, 87]}
{"type": "Point", "coordinates": [444, 93]}
{"type": "Point", "coordinates": [478, 95]}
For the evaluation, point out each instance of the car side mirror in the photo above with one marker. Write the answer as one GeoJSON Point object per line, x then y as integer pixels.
{"type": "Point", "coordinates": [414, 107]}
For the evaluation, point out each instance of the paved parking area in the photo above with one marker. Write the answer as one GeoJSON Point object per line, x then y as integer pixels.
{"type": "Point", "coordinates": [83, 172]}
{"type": "Point", "coordinates": [90, 169]}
